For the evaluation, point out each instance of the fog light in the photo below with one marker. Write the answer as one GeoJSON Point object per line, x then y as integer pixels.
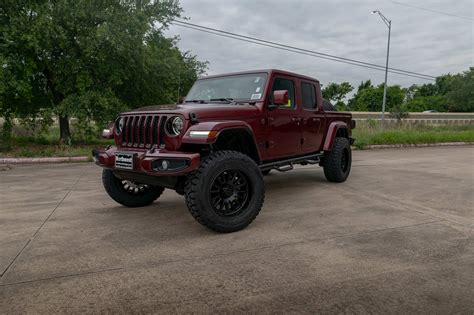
{"type": "Point", "coordinates": [171, 165]}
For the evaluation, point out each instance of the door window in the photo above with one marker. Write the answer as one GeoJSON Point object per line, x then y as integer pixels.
{"type": "Point", "coordinates": [285, 84]}
{"type": "Point", "coordinates": [308, 95]}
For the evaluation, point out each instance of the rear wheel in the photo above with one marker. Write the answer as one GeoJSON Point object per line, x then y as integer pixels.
{"type": "Point", "coordinates": [129, 193]}
{"type": "Point", "coordinates": [337, 163]}
{"type": "Point", "coordinates": [226, 193]}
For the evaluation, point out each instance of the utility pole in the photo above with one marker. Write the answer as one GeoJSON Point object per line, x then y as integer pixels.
{"type": "Point", "coordinates": [389, 25]}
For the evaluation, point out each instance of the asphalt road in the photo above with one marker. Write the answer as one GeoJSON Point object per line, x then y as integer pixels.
{"type": "Point", "coordinates": [397, 237]}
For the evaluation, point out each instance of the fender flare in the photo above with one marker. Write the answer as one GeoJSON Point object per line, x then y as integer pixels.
{"type": "Point", "coordinates": [216, 128]}
{"type": "Point", "coordinates": [332, 132]}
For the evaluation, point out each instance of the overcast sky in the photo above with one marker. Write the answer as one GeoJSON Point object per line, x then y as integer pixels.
{"type": "Point", "coordinates": [422, 41]}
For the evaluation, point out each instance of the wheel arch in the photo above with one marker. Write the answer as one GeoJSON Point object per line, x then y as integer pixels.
{"type": "Point", "coordinates": [229, 135]}
{"type": "Point", "coordinates": [239, 139]}
{"type": "Point", "coordinates": [336, 129]}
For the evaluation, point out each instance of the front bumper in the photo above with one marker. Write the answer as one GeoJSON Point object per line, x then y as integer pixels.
{"type": "Point", "coordinates": [149, 161]}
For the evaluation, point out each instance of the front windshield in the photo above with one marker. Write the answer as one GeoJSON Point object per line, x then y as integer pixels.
{"type": "Point", "coordinates": [235, 87]}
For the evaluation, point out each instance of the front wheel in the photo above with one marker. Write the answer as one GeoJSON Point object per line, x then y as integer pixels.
{"type": "Point", "coordinates": [129, 193]}
{"type": "Point", "coordinates": [226, 193]}
{"type": "Point", "coordinates": [337, 163]}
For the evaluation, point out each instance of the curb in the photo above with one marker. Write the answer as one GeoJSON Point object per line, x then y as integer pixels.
{"type": "Point", "coordinates": [419, 145]}
{"type": "Point", "coordinates": [44, 160]}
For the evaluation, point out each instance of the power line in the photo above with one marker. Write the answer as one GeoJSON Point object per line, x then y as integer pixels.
{"type": "Point", "coordinates": [431, 10]}
{"type": "Point", "coordinates": [298, 50]}
{"type": "Point", "coordinates": [302, 51]}
{"type": "Point", "coordinates": [308, 54]}
{"type": "Point", "coordinates": [277, 47]}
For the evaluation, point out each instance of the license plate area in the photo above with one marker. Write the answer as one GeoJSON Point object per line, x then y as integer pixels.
{"type": "Point", "coordinates": [124, 160]}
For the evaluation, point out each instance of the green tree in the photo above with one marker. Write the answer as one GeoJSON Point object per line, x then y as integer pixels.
{"type": "Point", "coordinates": [450, 93]}
{"type": "Point", "coordinates": [369, 98]}
{"type": "Point", "coordinates": [429, 89]}
{"type": "Point", "coordinates": [422, 103]}
{"type": "Point", "coordinates": [362, 86]}
{"type": "Point", "coordinates": [336, 92]}
{"type": "Point", "coordinates": [461, 93]}
{"type": "Point", "coordinates": [444, 83]}
{"type": "Point", "coordinates": [89, 59]}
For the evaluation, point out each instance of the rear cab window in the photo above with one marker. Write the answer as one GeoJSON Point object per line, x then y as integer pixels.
{"type": "Point", "coordinates": [308, 95]}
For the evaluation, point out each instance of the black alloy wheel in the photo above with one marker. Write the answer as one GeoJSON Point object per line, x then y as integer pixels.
{"type": "Point", "coordinates": [230, 192]}
{"type": "Point", "coordinates": [134, 188]}
{"type": "Point", "coordinates": [129, 193]}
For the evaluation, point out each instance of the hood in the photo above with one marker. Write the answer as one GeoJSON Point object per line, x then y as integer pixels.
{"type": "Point", "coordinates": [203, 111]}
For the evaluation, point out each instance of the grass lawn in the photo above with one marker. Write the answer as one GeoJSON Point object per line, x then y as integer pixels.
{"type": "Point", "coordinates": [366, 134]}
{"type": "Point", "coordinates": [46, 145]}
{"type": "Point", "coordinates": [34, 150]}
{"type": "Point", "coordinates": [24, 144]}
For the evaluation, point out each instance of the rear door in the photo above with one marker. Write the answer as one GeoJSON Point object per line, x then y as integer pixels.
{"type": "Point", "coordinates": [284, 121]}
{"type": "Point", "coordinates": [312, 117]}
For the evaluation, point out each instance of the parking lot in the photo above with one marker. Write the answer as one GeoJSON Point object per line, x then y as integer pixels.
{"type": "Point", "coordinates": [396, 237]}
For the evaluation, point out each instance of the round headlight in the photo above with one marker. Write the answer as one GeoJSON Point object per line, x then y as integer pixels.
{"type": "Point", "coordinates": [175, 126]}
{"type": "Point", "coordinates": [119, 125]}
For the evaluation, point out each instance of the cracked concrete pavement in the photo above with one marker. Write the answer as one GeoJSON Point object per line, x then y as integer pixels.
{"type": "Point", "coordinates": [397, 237]}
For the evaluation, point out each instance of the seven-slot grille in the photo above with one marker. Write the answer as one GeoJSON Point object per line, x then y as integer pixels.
{"type": "Point", "coordinates": [143, 131]}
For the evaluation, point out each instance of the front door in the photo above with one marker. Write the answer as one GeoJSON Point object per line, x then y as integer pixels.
{"type": "Point", "coordinates": [284, 123]}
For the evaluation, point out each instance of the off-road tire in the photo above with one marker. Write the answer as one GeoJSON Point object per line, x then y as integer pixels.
{"type": "Point", "coordinates": [115, 188]}
{"type": "Point", "coordinates": [198, 192]}
{"type": "Point", "coordinates": [337, 163]}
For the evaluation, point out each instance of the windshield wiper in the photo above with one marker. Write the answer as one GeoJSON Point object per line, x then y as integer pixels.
{"type": "Point", "coordinates": [226, 100]}
{"type": "Point", "coordinates": [195, 101]}
{"type": "Point", "coordinates": [223, 99]}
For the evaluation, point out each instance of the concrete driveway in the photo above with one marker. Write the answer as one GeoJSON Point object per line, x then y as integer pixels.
{"type": "Point", "coordinates": [396, 237]}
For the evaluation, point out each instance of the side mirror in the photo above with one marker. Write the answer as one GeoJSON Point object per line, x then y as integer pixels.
{"type": "Point", "coordinates": [280, 97]}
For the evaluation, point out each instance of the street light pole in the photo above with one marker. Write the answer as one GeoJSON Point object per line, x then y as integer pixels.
{"type": "Point", "coordinates": [389, 25]}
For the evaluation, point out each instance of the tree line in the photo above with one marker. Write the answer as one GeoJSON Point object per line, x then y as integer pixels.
{"type": "Point", "coordinates": [449, 93]}
{"type": "Point", "coordinates": [88, 60]}
{"type": "Point", "coordinates": [91, 59]}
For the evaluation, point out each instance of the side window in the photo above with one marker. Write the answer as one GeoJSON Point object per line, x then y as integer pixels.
{"type": "Point", "coordinates": [308, 95]}
{"type": "Point", "coordinates": [285, 84]}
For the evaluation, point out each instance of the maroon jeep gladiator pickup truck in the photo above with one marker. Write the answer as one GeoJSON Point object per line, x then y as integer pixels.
{"type": "Point", "coordinates": [215, 147]}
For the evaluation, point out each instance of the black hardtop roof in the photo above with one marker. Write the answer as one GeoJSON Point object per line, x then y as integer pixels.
{"type": "Point", "coordinates": [268, 71]}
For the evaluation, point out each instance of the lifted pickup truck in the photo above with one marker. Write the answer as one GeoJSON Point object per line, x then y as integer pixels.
{"type": "Point", "coordinates": [215, 147]}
